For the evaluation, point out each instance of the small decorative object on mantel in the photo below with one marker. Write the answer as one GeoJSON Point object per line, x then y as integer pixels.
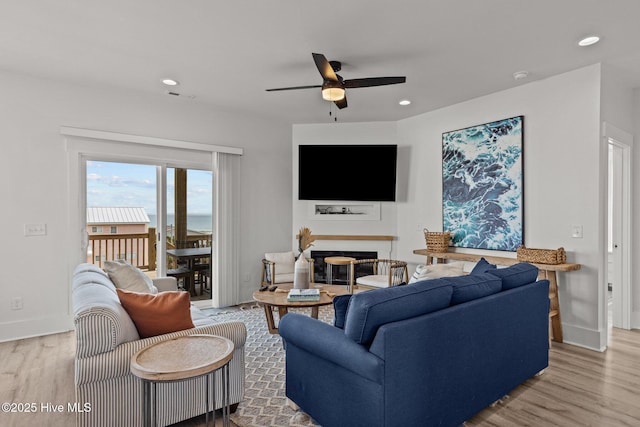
{"type": "Point", "coordinates": [305, 239]}
{"type": "Point", "coordinates": [542, 256]}
{"type": "Point", "coordinates": [437, 241]}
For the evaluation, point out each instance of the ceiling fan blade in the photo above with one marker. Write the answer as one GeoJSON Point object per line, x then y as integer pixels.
{"type": "Point", "coordinates": [373, 81]}
{"type": "Point", "coordinates": [326, 71]}
{"type": "Point", "coordinates": [294, 88]}
{"type": "Point", "coordinates": [341, 103]}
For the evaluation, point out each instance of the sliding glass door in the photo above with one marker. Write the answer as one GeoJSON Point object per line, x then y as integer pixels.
{"type": "Point", "coordinates": [144, 212]}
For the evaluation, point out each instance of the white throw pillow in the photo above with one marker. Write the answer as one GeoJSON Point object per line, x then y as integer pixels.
{"type": "Point", "coordinates": [434, 271]}
{"type": "Point", "coordinates": [126, 276]}
{"type": "Point", "coordinates": [284, 261]}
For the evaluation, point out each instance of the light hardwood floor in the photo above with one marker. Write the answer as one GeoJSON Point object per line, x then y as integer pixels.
{"type": "Point", "coordinates": [579, 388]}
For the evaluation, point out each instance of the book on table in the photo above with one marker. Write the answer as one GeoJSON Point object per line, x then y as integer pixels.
{"type": "Point", "coordinates": [304, 295]}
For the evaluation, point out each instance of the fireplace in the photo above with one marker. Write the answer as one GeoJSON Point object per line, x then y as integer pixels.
{"type": "Point", "coordinates": [340, 272]}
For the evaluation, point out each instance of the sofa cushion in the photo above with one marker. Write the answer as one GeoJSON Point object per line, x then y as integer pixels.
{"type": "Point", "coordinates": [340, 306]}
{"type": "Point", "coordinates": [374, 280]}
{"type": "Point", "coordinates": [126, 276]}
{"type": "Point", "coordinates": [483, 266]}
{"type": "Point", "coordinates": [88, 277]}
{"type": "Point", "coordinates": [86, 267]}
{"type": "Point", "coordinates": [369, 310]}
{"type": "Point", "coordinates": [473, 286]}
{"type": "Point", "coordinates": [434, 271]}
{"type": "Point", "coordinates": [157, 314]}
{"type": "Point", "coordinates": [516, 275]}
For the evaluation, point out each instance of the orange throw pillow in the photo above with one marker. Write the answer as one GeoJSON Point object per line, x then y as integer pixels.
{"type": "Point", "coordinates": [157, 314]}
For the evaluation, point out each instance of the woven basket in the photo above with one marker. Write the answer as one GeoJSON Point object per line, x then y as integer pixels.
{"type": "Point", "coordinates": [437, 241]}
{"type": "Point", "coordinates": [542, 256]}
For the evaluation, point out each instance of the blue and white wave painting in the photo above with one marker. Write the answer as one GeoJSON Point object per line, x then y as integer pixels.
{"type": "Point", "coordinates": [482, 185]}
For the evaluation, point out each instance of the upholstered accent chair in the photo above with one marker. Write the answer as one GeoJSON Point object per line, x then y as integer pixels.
{"type": "Point", "coordinates": [107, 338]}
{"type": "Point", "coordinates": [278, 267]}
{"type": "Point", "coordinates": [377, 273]}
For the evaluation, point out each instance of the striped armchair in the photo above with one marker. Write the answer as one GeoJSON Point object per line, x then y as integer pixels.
{"type": "Point", "coordinates": [106, 339]}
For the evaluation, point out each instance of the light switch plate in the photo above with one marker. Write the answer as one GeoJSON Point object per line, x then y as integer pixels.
{"type": "Point", "coordinates": [35, 229]}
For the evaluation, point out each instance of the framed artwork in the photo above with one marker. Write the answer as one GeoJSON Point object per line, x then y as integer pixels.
{"type": "Point", "coordinates": [482, 185]}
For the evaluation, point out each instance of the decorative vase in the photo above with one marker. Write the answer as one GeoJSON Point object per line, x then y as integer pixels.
{"type": "Point", "coordinates": [301, 273]}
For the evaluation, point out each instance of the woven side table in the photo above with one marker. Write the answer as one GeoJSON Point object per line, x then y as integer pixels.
{"type": "Point", "coordinates": [180, 359]}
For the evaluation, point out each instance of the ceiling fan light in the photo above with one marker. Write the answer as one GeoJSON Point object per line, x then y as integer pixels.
{"type": "Point", "coordinates": [588, 41]}
{"type": "Point", "coordinates": [332, 93]}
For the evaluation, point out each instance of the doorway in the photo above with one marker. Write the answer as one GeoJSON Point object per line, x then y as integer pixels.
{"type": "Point", "coordinates": [141, 212]}
{"type": "Point", "coordinates": [618, 271]}
{"type": "Point", "coordinates": [224, 163]}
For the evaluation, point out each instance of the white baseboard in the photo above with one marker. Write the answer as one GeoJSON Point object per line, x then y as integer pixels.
{"type": "Point", "coordinates": [11, 331]}
{"type": "Point", "coordinates": [583, 337]}
{"type": "Point", "coordinates": [635, 320]}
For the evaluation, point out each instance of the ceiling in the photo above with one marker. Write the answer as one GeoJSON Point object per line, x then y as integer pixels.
{"type": "Point", "coordinates": [225, 53]}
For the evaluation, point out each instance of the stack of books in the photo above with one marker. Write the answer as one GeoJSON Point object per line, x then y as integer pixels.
{"type": "Point", "coordinates": [303, 295]}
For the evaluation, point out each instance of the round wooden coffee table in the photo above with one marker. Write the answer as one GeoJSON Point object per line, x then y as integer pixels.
{"type": "Point", "coordinates": [180, 359]}
{"type": "Point", "coordinates": [278, 298]}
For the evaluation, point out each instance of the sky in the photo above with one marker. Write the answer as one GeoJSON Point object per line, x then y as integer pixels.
{"type": "Point", "coordinates": [133, 185]}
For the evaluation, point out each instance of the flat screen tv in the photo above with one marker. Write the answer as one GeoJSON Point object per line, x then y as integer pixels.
{"type": "Point", "coordinates": [347, 172]}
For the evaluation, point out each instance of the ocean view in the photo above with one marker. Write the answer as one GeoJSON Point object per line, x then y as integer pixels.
{"type": "Point", "coordinates": [200, 223]}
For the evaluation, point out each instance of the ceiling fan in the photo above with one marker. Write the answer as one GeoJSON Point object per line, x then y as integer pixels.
{"type": "Point", "coordinates": [333, 85]}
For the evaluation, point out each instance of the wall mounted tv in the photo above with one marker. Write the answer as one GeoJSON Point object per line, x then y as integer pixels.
{"type": "Point", "coordinates": [347, 172]}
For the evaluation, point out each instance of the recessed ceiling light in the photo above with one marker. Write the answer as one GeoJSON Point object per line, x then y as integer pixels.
{"type": "Point", "coordinates": [519, 75]}
{"type": "Point", "coordinates": [170, 82]}
{"type": "Point", "coordinates": [588, 41]}
{"type": "Point", "coordinates": [404, 102]}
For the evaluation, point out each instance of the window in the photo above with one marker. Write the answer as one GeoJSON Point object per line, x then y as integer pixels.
{"type": "Point", "coordinates": [96, 229]}
{"type": "Point", "coordinates": [114, 230]}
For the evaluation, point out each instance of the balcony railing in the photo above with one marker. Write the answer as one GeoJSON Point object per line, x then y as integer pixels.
{"type": "Point", "coordinates": [139, 249]}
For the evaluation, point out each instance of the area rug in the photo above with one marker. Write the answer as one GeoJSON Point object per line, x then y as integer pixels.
{"type": "Point", "coordinates": [264, 401]}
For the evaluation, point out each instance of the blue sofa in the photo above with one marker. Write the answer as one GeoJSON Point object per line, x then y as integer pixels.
{"type": "Point", "coordinates": [431, 353]}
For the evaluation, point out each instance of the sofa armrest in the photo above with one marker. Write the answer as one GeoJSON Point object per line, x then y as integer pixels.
{"type": "Point", "coordinates": [330, 343]}
{"type": "Point", "coordinates": [165, 283]}
{"type": "Point", "coordinates": [116, 363]}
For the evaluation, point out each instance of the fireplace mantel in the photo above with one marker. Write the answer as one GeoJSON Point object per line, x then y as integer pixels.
{"type": "Point", "coordinates": [382, 244]}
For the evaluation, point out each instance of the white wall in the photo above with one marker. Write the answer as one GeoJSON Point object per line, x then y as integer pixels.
{"type": "Point", "coordinates": [562, 178]}
{"type": "Point", "coordinates": [635, 209]}
{"type": "Point", "coordinates": [33, 172]}
{"type": "Point", "coordinates": [345, 133]}
{"type": "Point", "coordinates": [618, 110]}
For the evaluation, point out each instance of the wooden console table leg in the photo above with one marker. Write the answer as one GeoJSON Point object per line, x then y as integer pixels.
{"type": "Point", "coordinates": [314, 312]}
{"type": "Point", "coordinates": [554, 309]}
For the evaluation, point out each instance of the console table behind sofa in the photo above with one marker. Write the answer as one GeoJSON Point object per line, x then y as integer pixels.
{"type": "Point", "coordinates": [547, 271]}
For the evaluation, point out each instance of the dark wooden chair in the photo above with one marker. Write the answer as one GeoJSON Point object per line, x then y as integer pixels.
{"type": "Point", "coordinates": [183, 276]}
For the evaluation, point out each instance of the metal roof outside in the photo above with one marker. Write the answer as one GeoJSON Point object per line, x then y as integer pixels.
{"type": "Point", "coordinates": [117, 215]}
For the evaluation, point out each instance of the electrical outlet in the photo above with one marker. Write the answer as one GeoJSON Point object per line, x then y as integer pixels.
{"type": "Point", "coordinates": [16, 303]}
{"type": "Point", "coordinates": [35, 229]}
